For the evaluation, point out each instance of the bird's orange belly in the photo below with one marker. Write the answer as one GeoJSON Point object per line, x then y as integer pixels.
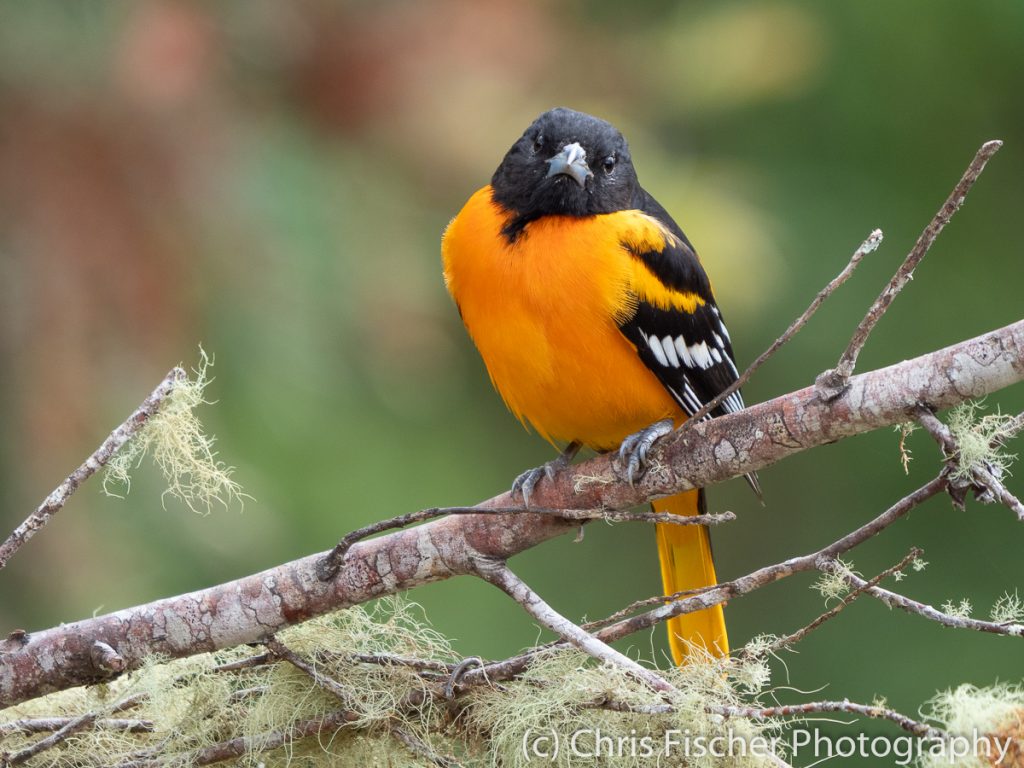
{"type": "Point", "coordinates": [543, 316]}
{"type": "Point", "coordinates": [597, 399]}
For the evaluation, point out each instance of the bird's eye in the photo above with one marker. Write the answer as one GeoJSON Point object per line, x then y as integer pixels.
{"type": "Point", "coordinates": [609, 164]}
{"type": "Point", "coordinates": [538, 142]}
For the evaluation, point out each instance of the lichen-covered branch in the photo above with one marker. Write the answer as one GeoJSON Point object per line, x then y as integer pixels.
{"type": "Point", "coordinates": [251, 608]}
{"type": "Point", "coordinates": [818, 707]}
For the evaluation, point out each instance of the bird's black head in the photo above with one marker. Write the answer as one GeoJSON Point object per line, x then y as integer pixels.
{"type": "Point", "coordinates": [566, 163]}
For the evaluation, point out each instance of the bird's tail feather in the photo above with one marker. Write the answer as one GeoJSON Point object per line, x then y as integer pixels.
{"type": "Point", "coordinates": [686, 563]}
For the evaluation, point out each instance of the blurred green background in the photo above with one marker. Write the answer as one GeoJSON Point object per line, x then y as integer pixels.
{"type": "Point", "coordinates": [272, 180]}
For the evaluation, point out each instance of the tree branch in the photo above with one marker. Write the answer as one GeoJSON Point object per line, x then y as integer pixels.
{"type": "Point", "coordinates": [833, 382]}
{"type": "Point", "coordinates": [500, 575]}
{"type": "Point", "coordinates": [816, 707]}
{"type": "Point", "coordinates": [53, 503]}
{"type": "Point", "coordinates": [251, 608]}
{"type": "Point", "coordinates": [869, 245]}
{"type": "Point", "coordinates": [989, 486]}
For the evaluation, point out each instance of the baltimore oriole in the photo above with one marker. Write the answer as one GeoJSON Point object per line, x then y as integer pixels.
{"type": "Point", "coordinates": [595, 319]}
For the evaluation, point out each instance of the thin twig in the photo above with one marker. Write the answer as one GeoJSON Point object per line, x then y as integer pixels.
{"type": "Point", "coordinates": [73, 726]}
{"type": "Point", "coordinates": [51, 724]}
{"type": "Point", "coordinates": [869, 245]}
{"type": "Point", "coordinates": [53, 503]}
{"type": "Point", "coordinates": [832, 383]}
{"type": "Point", "coordinates": [418, 747]}
{"type": "Point", "coordinates": [332, 686]}
{"type": "Point", "coordinates": [785, 710]}
{"type": "Point", "coordinates": [331, 563]}
{"type": "Point", "coordinates": [720, 593]}
{"type": "Point", "coordinates": [1011, 428]}
{"type": "Point", "coordinates": [823, 559]}
{"type": "Point", "coordinates": [387, 660]}
{"type": "Point", "coordinates": [69, 726]}
{"type": "Point", "coordinates": [243, 745]}
{"type": "Point", "coordinates": [904, 603]}
{"type": "Point", "coordinates": [501, 576]}
{"type": "Point", "coordinates": [646, 602]}
{"type": "Point", "coordinates": [817, 707]}
{"type": "Point", "coordinates": [633, 709]}
{"type": "Point", "coordinates": [831, 613]}
{"type": "Point", "coordinates": [249, 662]}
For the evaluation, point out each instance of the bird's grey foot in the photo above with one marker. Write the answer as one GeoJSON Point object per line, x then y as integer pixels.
{"type": "Point", "coordinates": [633, 451]}
{"type": "Point", "coordinates": [526, 482]}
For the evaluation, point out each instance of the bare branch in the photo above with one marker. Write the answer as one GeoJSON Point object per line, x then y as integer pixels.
{"type": "Point", "coordinates": [832, 383]}
{"type": "Point", "coordinates": [53, 503]}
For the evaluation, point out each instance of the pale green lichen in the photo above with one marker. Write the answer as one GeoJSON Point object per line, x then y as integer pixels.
{"type": "Point", "coordinates": [995, 713]}
{"type": "Point", "coordinates": [1008, 609]}
{"type": "Point", "coordinates": [960, 610]}
{"type": "Point", "coordinates": [546, 706]}
{"type": "Point", "coordinates": [192, 706]}
{"type": "Point", "coordinates": [833, 584]}
{"type": "Point", "coordinates": [581, 482]}
{"type": "Point", "coordinates": [180, 448]}
{"type": "Point", "coordinates": [979, 439]}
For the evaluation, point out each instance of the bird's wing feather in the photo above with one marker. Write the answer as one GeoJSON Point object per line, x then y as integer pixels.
{"type": "Point", "coordinates": [676, 328]}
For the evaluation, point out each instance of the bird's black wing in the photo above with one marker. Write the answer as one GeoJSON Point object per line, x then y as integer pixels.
{"type": "Point", "coordinates": [689, 351]}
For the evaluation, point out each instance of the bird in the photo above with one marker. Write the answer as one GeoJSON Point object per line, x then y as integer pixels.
{"type": "Point", "coordinates": [597, 324]}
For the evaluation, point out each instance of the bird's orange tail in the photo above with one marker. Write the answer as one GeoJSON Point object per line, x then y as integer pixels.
{"type": "Point", "coordinates": [685, 555]}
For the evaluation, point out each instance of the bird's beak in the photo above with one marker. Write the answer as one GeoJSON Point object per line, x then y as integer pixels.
{"type": "Point", "coordinates": [572, 161]}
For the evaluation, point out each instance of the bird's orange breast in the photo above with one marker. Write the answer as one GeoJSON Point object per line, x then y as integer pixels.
{"type": "Point", "coordinates": [544, 313]}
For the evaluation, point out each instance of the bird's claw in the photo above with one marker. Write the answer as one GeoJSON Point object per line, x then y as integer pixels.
{"type": "Point", "coordinates": [527, 481]}
{"type": "Point", "coordinates": [634, 449]}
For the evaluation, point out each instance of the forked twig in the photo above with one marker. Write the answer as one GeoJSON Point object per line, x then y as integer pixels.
{"type": "Point", "coordinates": [795, 637]}
{"type": "Point", "coordinates": [832, 383]}
{"type": "Point", "coordinates": [501, 576]}
{"type": "Point", "coordinates": [870, 244]}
